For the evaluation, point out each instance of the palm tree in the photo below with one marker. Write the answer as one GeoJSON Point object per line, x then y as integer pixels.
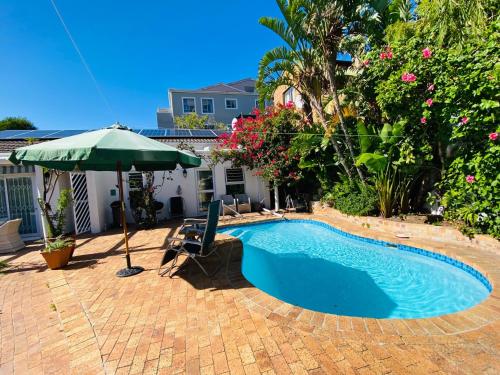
{"type": "Point", "coordinates": [452, 21]}
{"type": "Point", "coordinates": [328, 24]}
{"type": "Point", "coordinates": [296, 64]}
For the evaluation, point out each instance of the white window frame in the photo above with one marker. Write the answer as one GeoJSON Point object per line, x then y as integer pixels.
{"type": "Point", "coordinates": [198, 191]}
{"type": "Point", "coordinates": [213, 106]}
{"type": "Point", "coordinates": [289, 91]}
{"type": "Point", "coordinates": [225, 103]}
{"type": "Point", "coordinates": [182, 103]}
{"type": "Point", "coordinates": [242, 182]}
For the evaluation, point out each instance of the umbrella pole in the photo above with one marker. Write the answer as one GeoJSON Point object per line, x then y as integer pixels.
{"type": "Point", "coordinates": [129, 271]}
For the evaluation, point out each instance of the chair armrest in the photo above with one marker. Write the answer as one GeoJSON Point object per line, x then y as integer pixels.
{"type": "Point", "coordinates": [184, 241]}
{"type": "Point", "coordinates": [175, 239]}
{"type": "Point", "coordinates": [187, 221]}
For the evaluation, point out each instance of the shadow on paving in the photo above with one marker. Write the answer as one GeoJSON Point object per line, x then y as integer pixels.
{"type": "Point", "coordinates": [228, 276]}
{"type": "Point", "coordinates": [24, 267]}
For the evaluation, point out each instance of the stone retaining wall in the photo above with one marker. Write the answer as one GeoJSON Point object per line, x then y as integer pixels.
{"type": "Point", "coordinates": [413, 230]}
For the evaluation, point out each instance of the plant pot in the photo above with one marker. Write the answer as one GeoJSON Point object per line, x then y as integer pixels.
{"type": "Point", "coordinates": [57, 258]}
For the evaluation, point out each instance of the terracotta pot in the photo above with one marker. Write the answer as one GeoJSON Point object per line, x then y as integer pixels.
{"type": "Point", "coordinates": [57, 258]}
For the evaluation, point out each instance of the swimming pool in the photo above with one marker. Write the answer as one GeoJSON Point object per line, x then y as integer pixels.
{"type": "Point", "coordinates": [313, 265]}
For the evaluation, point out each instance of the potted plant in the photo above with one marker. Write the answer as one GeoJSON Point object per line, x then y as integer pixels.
{"type": "Point", "coordinates": [59, 247]}
{"type": "Point", "coordinates": [143, 203]}
{"type": "Point", "coordinates": [57, 253]}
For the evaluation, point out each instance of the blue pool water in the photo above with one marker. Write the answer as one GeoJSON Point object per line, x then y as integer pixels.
{"type": "Point", "coordinates": [312, 265]}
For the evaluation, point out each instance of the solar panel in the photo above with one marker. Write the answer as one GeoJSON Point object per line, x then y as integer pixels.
{"type": "Point", "coordinates": [153, 132]}
{"type": "Point", "coordinates": [67, 133]}
{"type": "Point", "coordinates": [37, 133]}
{"type": "Point", "coordinates": [202, 133]}
{"type": "Point", "coordinates": [6, 134]}
{"type": "Point", "coordinates": [182, 133]}
{"type": "Point", "coordinates": [218, 133]}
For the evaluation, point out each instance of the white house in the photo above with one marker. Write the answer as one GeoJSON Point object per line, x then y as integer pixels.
{"type": "Point", "coordinates": [93, 192]}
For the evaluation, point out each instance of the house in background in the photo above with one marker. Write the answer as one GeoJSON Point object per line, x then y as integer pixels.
{"type": "Point", "coordinates": [221, 102]}
{"type": "Point", "coordinates": [93, 192]}
{"type": "Point", "coordinates": [289, 94]}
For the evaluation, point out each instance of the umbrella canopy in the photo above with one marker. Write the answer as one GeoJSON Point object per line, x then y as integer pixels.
{"type": "Point", "coordinates": [100, 150]}
{"type": "Point", "coordinates": [112, 149]}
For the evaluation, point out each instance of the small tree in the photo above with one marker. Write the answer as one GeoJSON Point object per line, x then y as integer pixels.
{"type": "Point", "coordinates": [16, 123]}
{"type": "Point", "coordinates": [55, 219]}
{"type": "Point", "coordinates": [195, 121]}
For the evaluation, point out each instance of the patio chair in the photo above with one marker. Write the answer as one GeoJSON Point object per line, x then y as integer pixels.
{"type": "Point", "coordinates": [10, 240]}
{"type": "Point", "coordinates": [193, 248]}
{"type": "Point", "coordinates": [229, 206]}
{"type": "Point", "coordinates": [244, 204]}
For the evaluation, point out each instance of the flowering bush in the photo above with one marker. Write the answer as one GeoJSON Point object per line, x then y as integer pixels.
{"type": "Point", "coordinates": [445, 106]}
{"type": "Point", "coordinates": [262, 144]}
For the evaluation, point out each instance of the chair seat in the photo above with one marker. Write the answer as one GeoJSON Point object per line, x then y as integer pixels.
{"type": "Point", "coordinates": [191, 248]}
{"type": "Point", "coordinates": [193, 230]}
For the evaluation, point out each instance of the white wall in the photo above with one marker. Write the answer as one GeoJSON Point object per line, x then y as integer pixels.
{"type": "Point", "coordinates": [101, 184]}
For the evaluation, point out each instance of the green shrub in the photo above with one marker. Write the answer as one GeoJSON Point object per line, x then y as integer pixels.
{"type": "Point", "coordinates": [58, 244]}
{"type": "Point", "coordinates": [352, 198]}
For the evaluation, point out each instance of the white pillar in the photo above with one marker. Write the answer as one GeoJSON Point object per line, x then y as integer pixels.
{"type": "Point", "coordinates": [276, 198]}
{"type": "Point", "coordinates": [94, 199]}
{"type": "Point", "coordinates": [39, 194]}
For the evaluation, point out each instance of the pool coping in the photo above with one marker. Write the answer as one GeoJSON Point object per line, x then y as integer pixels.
{"type": "Point", "coordinates": [472, 258]}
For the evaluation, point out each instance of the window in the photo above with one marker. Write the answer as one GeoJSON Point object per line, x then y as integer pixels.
{"type": "Point", "coordinates": [288, 96]}
{"type": "Point", "coordinates": [235, 181]}
{"type": "Point", "coordinates": [256, 103]}
{"type": "Point", "coordinates": [205, 189]}
{"type": "Point", "coordinates": [188, 105]}
{"type": "Point", "coordinates": [207, 106]}
{"type": "Point", "coordinates": [231, 103]}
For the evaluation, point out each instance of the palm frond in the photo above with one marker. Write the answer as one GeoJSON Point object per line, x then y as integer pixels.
{"type": "Point", "coordinates": [280, 28]}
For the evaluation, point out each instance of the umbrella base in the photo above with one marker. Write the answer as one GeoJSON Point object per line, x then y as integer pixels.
{"type": "Point", "coordinates": [126, 272]}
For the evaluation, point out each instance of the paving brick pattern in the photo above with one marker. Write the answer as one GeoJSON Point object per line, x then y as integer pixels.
{"type": "Point", "coordinates": [85, 320]}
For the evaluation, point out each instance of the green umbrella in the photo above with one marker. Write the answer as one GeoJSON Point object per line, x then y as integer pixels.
{"type": "Point", "coordinates": [112, 149]}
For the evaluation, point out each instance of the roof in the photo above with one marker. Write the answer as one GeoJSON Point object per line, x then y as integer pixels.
{"type": "Point", "coordinates": [12, 139]}
{"type": "Point", "coordinates": [243, 86]}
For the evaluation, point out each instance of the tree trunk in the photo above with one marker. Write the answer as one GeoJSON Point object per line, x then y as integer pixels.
{"type": "Point", "coordinates": [319, 110]}
{"type": "Point", "coordinates": [330, 72]}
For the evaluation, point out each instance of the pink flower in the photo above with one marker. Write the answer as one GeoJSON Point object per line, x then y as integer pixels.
{"type": "Point", "coordinates": [426, 53]}
{"type": "Point", "coordinates": [423, 120]}
{"type": "Point", "coordinates": [493, 136]}
{"type": "Point", "coordinates": [470, 179]}
{"type": "Point", "coordinates": [430, 87]}
{"type": "Point", "coordinates": [290, 105]}
{"type": "Point", "coordinates": [383, 56]}
{"type": "Point", "coordinates": [464, 120]}
{"type": "Point", "coordinates": [408, 77]}
{"type": "Point", "coordinates": [389, 55]}
{"type": "Point", "coordinates": [429, 102]}
{"type": "Point", "coordinates": [366, 62]}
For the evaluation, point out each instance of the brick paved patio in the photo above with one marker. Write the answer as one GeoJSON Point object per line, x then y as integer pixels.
{"type": "Point", "coordinates": [84, 319]}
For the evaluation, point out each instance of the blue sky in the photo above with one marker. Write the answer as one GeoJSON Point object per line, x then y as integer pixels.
{"type": "Point", "coordinates": [136, 50]}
